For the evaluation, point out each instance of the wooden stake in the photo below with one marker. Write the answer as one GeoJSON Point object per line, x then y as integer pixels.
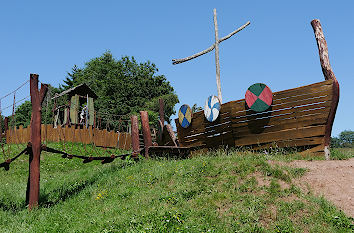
{"type": "Point", "coordinates": [146, 131]}
{"type": "Point", "coordinates": [135, 135]}
{"type": "Point", "coordinates": [34, 161]}
{"type": "Point", "coordinates": [162, 111]}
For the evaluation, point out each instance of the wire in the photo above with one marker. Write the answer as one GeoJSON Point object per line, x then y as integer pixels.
{"type": "Point", "coordinates": [14, 90]}
{"type": "Point", "coordinates": [15, 103]}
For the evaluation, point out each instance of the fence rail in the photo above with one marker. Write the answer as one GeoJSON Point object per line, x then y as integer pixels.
{"type": "Point", "coordinates": [103, 138]}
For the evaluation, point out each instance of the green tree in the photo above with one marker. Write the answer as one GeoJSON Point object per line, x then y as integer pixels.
{"type": "Point", "coordinates": [124, 86]}
{"type": "Point", "coordinates": [22, 114]}
{"type": "Point", "coordinates": [335, 142]}
{"type": "Point", "coordinates": [24, 111]}
{"type": "Point", "coordinates": [346, 138]}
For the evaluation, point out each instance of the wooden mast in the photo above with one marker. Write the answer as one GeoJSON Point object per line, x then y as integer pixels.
{"type": "Point", "coordinates": [217, 63]}
{"type": "Point", "coordinates": [211, 48]}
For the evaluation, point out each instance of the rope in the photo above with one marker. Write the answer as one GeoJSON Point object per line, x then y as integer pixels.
{"type": "Point", "coordinates": [6, 164]}
{"type": "Point", "coordinates": [104, 159]}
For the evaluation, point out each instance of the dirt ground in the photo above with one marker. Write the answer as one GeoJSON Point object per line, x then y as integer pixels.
{"type": "Point", "coordinates": [333, 179]}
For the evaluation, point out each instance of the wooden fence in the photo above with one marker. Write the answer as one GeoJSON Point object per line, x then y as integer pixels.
{"type": "Point", "coordinates": [297, 117]}
{"type": "Point", "coordinates": [103, 138]}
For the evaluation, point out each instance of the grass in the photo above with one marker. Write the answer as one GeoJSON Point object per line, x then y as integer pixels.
{"type": "Point", "coordinates": [219, 191]}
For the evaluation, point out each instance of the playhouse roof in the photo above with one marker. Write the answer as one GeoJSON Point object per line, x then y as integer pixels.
{"type": "Point", "coordinates": [81, 90]}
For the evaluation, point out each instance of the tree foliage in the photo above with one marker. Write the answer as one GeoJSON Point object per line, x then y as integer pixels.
{"type": "Point", "coordinates": [124, 86]}
{"type": "Point", "coordinates": [23, 112]}
{"type": "Point", "coordinates": [345, 139]}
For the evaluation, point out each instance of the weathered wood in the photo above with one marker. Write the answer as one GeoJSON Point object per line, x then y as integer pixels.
{"type": "Point", "coordinates": [282, 114]}
{"type": "Point", "coordinates": [135, 135]}
{"type": "Point", "coordinates": [216, 46]}
{"type": "Point", "coordinates": [34, 157]}
{"type": "Point", "coordinates": [294, 109]}
{"type": "Point", "coordinates": [298, 91]}
{"type": "Point", "coordinates": [128, 144]}
{"type": "Point", "coordinates": [290, 143]}
{"type": "Point", "coordinates": [146, 131]}
{"type": "Point", "coordinates": [329, 75]}
{"type": "Point", "coordinates": [169, 138]}
{"type": "Point", "coordinates": [285, 99]}
{"type": "Point", "coordinates": [211, 48]}
{"type": "Point", "coordinates": [280, 135]}
{"type": "Point", "coordinates": [225, 129]}
{"type": "Point", "coordinates": [104, 137]}
{"type": "Point", "coordinates": [71, 134]}
{"type": "Point", "coordinates": [122, 139]}
{"type": "Point", "coordinates": [280, 126]}
{"type": "Point", "coordinates": [20, 136]}
{"type": "Point", "coordinates": [74, 108]}
{"type": "Point", "coordinates": [217, 64]}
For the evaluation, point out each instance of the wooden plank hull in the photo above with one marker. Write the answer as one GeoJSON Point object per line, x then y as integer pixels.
{"type": "Point", "coordinates": [298, 117]}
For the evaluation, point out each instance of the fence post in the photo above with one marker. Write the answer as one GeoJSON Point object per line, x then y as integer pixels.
{"type": "Point", "coordinates": [6, 128]}
{"type": "Point", "coordinates": [135, 135]}
{"type": "Point", "coordinates": [161, 121]}
{"type": "Point", "coordinates": [146, 131]}
{"type": "Point", "coordinates": [37, 98]}
{"type": "Point", "coordinates": [6, 124]}
{"type": "Point", "coordinates": [162, 111]}
{"type": "Point", "coordinates": [0, 124]}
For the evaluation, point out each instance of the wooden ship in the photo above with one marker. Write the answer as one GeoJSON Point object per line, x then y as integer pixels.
{"type": "Point", "coordinates": [299, 118]}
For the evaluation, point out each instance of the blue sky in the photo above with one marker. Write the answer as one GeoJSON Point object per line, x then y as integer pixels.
{"type": "Point", "coordinates": [278, 48]}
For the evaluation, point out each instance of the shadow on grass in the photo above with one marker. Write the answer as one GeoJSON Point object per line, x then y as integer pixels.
{"type": "Point", "coordinates": [65, 191]}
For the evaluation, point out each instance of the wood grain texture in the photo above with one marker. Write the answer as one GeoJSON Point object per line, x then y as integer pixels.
{"type": "Point", "coordinates": [103, 138]}
{"type": "Point", "coordinates": [297, 118]}
{"type": "Point", "coordinates": [328, 74]}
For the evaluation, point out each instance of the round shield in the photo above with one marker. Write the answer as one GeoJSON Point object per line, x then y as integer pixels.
{"type": "Point", "coordinates": [259, 97]}
{"type": "Point", "coordinates": [212, 108]}
{"type": "Point", "coordinates": [185, 115]}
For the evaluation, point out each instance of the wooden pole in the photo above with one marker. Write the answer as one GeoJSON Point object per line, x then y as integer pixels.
{"type": "Point", "coordinates": [216, 47]}
{"type": "Point", "coordinates": [86, 115]}
{"type": "Point", "coordinates": [328, 74]}
{"type": "Point", "coordinates": [0, 123]}
{"type": "Point", "coordinates": [162, 111]}
{"type": "Point", "coordinates": [146, 131]}
{"type": "Point", "coordinates": [135, 135]}
{"type": "Point", "coordinates": [6, 124]}
{"type": "Point", "coordinates": [161, 121]}
{"type": "Point", "coordinates": [217, 64]}
{"type": "Point", "coordinates": [34, 161]}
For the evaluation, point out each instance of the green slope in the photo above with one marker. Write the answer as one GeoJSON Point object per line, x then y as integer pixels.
{"type": "Point", "coordinates": [217, 192]}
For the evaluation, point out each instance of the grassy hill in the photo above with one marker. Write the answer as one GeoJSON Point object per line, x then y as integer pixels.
{"type": "Point", "coordinates": [218, 191]}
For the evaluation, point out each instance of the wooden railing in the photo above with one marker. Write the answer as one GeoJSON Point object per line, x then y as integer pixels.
{"type": "Point", "coordinates": [103, 138]}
